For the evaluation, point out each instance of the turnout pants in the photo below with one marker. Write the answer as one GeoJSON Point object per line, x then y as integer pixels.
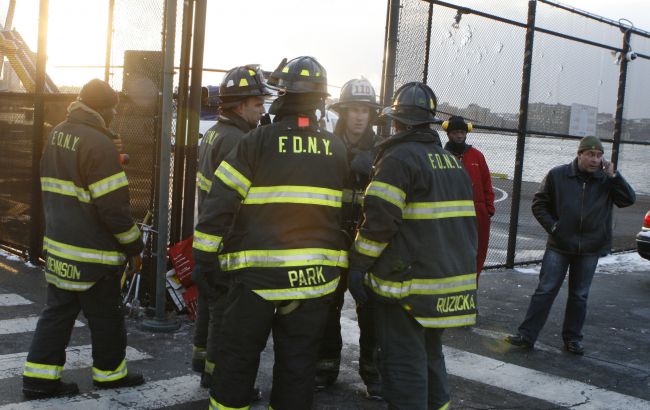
{"type": "Point", "coordinates": [102, 307]}
{"type": "Point", "coordinates": [247, 322]}
{"type": "Point", "coordinates": [411, 362]}
{"type": "Point", "coordinates": [329, 355]}
{"type": "Point", "coordinates": [212, 289]}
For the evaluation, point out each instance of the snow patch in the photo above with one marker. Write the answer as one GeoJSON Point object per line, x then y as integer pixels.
{"type": "Point", "coordinates": [622, 262]}
{"type": "Point", "coordinates": [528, 271]}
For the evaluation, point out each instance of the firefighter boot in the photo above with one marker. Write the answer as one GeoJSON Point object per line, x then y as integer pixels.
{"type": "Point", "coordinates": [35, 390]}
{"type": "Point", "coordinates": [327, 370]}
{"type": "Point", "coordinates": [130, 380]}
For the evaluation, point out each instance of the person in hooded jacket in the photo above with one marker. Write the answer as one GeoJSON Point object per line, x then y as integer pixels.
{"type": "Point", "coordinates": [357, 108]}
{"type": "Point", "coordinates": [415, 253]}
{"type": "Point", "coordinates": [89, 235]}
{"type": "Point", "coordinates": [475, 165]}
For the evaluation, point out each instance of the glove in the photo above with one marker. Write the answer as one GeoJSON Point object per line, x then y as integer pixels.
{"type": "Point", "coordinates": [356, 287]}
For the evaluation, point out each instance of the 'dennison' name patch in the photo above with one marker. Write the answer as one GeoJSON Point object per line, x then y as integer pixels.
{"type": "Point", "coordinates": [63, 269]}
{"type": "Point", "coordinates": [298, 144]}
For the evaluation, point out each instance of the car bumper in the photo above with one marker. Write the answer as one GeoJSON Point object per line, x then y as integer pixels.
{"type": "Point", "coordinates": [643, 244]}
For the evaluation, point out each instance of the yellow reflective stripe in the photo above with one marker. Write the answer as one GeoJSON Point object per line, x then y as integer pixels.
{"type": "Point", "coordinates": [67, 284]}
{"type": "Point", "coordinates": [400, 290]}
{"type": "Point", "coordinates": [444, 406]}
{"type": "Point", "coordinates": [294, 194]}
{"type": "Point", "coordinates": [215, 405]}
{"type": "Point", "coordinates": [209, 367]}
{"type": "Point", "coordinates": [387, 192]}
{"type": "Point", "coordinates": [63, 187]}
{"type": "Point", "coordinates": [204, 183]}
{"type": "Point", "coordinates": [368, 247]}
{"type": "Point", "coordinates": [42, 371]}
{"type": "Point", "coordinates": [108, 185]}
{"type": "Point", "coordinates": [129, 236]}
{"type": "Point", "coordinates": [298, 293]}
{"type": "Point", "coordinates": [283, 258]}
{"type": "Point", "coordinates": [350, 196]}
{"type": "Point", "coordinates": [448, 321]}
{"type": "Point", "coordinates": [79, 254]}
{"type": "Point", "coordinates": [438, 210]}
{"type": "Point", "coordinates": [233, 178]}
{"type": "Point", "coordinates": [206, 242]}
{"type": "Point", "coordinates": [110, 375]}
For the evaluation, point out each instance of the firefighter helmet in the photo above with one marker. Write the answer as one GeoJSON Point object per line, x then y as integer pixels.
{"type": "Point", "coordinates": [242, 82]}
{"type": "Point", "coordinates": [413, 104]}
{"type": "Point", "coordinates": [301, 75]}
{"type": "Point", "coordinates": [356, 91]}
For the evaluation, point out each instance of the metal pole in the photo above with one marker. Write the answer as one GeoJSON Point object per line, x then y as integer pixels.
{"type": "Point", "coordinates": [109, 40]}
{"type": "Point", "coordinates": [620, 99]}
{"type": "Point", "coordinates": [425, 74]}
{"type": "Point", "coordinates": [189, 193]}
{"type": "Point", "coordinates": [36, 208]}
{"type": "Point", "coordinates": [390, 57]}
{"type": "Point", "coordinates": [160, 322]}
{"type": "Point", "coordinates": [521, 134]}
{"type": "Point", "coordinates": [181, 122]}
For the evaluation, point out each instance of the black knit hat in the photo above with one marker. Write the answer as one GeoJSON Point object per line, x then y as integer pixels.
{"type": "Point", "coordinates": [456, 122]}
{"type": "Point", "coordinates": [97, 94]}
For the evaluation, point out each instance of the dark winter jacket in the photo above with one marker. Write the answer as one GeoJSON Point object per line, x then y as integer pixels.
{"type": "Point", "coordinates": [88, 226]}
{"type": "Point", "coordinates": [217, 142]}
{"type": "Point", "coordinates": [576, 208]}
{"type": "Point", "coordinates": [276, 206]}
{"type": "Point", "coordinates": [417, 242]}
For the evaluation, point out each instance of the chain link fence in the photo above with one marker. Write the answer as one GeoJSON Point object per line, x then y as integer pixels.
{"type": "Point", "coordinates": [76, 53]}
{"type": "Point", "coordinates": [472, 53]}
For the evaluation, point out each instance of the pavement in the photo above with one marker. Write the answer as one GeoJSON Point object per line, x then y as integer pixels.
{"type": "Point", "coordinates": [484, 371]}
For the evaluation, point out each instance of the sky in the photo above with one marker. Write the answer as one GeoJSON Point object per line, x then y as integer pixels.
{"type": "Point", "coordinates": [346, 36]}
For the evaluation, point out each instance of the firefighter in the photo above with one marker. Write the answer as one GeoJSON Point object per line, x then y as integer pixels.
{"type": "Point", "coordinates": [477, 168]}
{"type": "Point", "coordinates": [273, 216]}
{"type": "Point", "coordinates": [89, 234]}
{"type": "Point", "coordinates": [357, 108]}
{"type": "Point", "coordinates": [241, 104]}
{"type": "Point", "coordinates": [416, 252]}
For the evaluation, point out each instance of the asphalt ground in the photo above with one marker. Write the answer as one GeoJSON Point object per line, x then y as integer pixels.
{"type": "Point", "coordinates": [485, 372]}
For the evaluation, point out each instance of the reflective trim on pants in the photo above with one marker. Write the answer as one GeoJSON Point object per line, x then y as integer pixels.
{"type": "Point", "coordinates": [42, 371]}
{"type": "Point", "coordinates": [103, 376]}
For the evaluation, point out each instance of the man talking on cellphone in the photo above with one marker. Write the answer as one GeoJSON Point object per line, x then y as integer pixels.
{"type": "Point", "coordinates": [574, 206]}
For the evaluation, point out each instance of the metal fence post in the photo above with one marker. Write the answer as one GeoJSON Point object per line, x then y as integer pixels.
{"type": "Point", "coordinates": [620, 99]}
{"type": "Point", "coordinates": [160, 322]}
{"type": "Point", "coordinates": [425, 72]}
{"type": "Point", "coordinates": [521, 134]}
{"type": "Point", "coordinates": [36, 207]}
{"type": "Point", "coordinates": [109, 40]}
{"type": "Point", "coordinates": [390, 57]}
{"type": "Point", "coordinates": [189, 193]}
{"type": "Point", "coordinates": [181, 122]}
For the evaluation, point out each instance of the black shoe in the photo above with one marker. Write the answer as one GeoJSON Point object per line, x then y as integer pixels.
{"type": "Point", "coordinates": [574, 347]}
{"type": "Point", "coordinates": [520, 341]}
{"type": "Point", "coordinates": [373, 392]}
{"type": "Point", "coordinates": [324, 380]}
{"type": "Point", "coordinates": [206, 380]}
{"type": "Point", "coordinates": [50, 390]}
{"type": "Point", "coordinates": [130, 380]}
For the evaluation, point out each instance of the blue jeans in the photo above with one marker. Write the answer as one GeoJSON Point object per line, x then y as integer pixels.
{"type": "Point", "coordinates": [554, 268]}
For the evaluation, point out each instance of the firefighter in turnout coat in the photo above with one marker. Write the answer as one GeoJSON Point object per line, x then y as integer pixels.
{"type": "Point", "coordinates": [89, 234]}
{"type": "Point", "coordinates": [241, 104]}
{"type": "Point", "coordinates": [273, 218]}
{"type": "Point", "coordinates": [416, 252]}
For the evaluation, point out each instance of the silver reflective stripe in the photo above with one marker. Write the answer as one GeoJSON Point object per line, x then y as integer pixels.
{"type": "Point", "coordinates": [110, 375]}
{"type": "Point", "coordinates": [242, 259]}
{"type": "Point", "coordinates": [233, 178]}
{"type": "Point", "coordinates": [433, 287]}
{"type": "Point", "coordinates": [447, 321]}
{"type": "Point", "coordinates": [67, 284]}
{"type": "Point", "coordinates": [375, 284]}
{"type": "Point", "coordinates": [129, 236]}
{"type": "Point", "coordinates": [298, 293]}
{"type": "Point", "coordinates": [83, 254]}
{"type": "Point", "coordinates": [435, 210]}
{"type": "Point", "coordinates": [51, 372]}
{"type": "Point", "coordinates": [107, 185]}
{"type": "Point", "coordinates": [259, 195]}
{"type": "Point", "coordinates": [387, 192]}
{"type": "Point", "coordinates": [63, 187]}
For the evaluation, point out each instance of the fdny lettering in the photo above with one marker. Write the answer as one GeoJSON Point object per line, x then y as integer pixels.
{"type": "Point", "coordinates": [304, 145]}
{"type": "Point", "coordinates": [443, 161]}
{"type": "Point", "coordinates": [308, 277]}
{"type": "Point", "coordinates": [455, 303]}
{"type": "Point", "coordinates": [67, 141]}
{"type": "Point", "coordinates": [62, 269]}
{"type": "Point", "coordinates": [210, 136]}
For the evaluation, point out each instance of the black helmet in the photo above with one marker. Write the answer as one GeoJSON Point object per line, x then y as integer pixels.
{"type": "Point", "coordinates": [356, 91]}
{"type": "Point", "coordinates": [301, 75]}
{"type": "Point", "coordinates": [413, 104]}
{"type": "Point", "coordinates": [242, 82]}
